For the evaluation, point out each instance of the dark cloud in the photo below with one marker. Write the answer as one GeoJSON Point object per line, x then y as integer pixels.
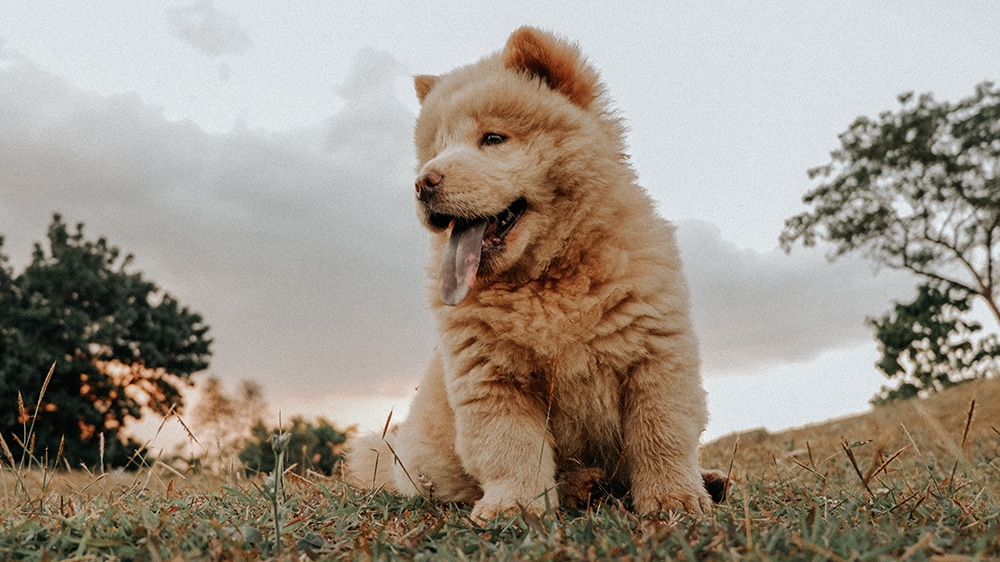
{"type": "Point", "coordinates": [206, 29]}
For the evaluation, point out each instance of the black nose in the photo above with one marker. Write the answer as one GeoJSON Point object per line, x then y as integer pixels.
{"type": "Point", "coordinates": [427, 185]}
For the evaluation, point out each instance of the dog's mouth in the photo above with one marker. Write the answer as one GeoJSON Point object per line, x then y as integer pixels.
{"type": "Point", "coordinates": [469, 239]}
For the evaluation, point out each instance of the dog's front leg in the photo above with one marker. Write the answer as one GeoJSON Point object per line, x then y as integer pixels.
{"type": "Point", "coordinates": [664, 415]}
{"type": "Point", "coordinates": [503, 441]}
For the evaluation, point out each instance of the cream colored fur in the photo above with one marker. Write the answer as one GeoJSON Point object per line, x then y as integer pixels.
{"type": "Point", "coordinates": [574, 350]}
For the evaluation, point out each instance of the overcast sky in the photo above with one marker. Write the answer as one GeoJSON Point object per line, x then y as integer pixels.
{"type": "Point", "coordinates": [257, 159]}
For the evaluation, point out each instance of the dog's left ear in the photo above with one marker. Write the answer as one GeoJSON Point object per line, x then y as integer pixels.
{"type": "Point", "coordinates": [423, 84]}
{"type": "Point", "coordinates": [557, 62]}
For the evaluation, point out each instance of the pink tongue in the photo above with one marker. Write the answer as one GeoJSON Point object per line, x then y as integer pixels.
{"type": "Point", "coordinates": [461, 261]}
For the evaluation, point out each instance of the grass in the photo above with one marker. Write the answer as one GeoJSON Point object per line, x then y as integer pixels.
{"type": "Point", "coordinates": [913, 481]}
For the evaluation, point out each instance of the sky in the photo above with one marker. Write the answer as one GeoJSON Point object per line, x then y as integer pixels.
{"type": "Point", "coordinates": [257, 159]}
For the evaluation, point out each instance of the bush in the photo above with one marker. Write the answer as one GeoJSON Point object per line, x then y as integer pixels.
{"type": "Point", "coordinates": [318, 448]}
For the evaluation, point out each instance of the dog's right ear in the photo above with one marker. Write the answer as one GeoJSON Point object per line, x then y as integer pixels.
{"type": "Point", "coordinates": [424, 83]}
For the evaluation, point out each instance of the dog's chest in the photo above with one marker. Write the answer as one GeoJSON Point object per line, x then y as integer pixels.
{"type": "Point", "coordinates": [554, 320]}
{"type": "Point", "coordinates": [585, 411]}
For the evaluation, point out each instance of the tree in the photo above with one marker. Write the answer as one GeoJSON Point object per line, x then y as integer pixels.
{"type": "Point", "coordinates": [119, 345]}
{"type": "Point", "coordinates": [918, 190]}
{"type": "Point", "coordinates": [926, 345]}
{"type": "Point", "coordinates": [223, 422]}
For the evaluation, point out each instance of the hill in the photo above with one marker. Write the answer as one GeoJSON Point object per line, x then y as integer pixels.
{"type": "Point", "coordinates": [946, 424]}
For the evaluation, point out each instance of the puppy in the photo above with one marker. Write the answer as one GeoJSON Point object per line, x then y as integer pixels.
{"type": "Point", "coordinates": [566, 360]}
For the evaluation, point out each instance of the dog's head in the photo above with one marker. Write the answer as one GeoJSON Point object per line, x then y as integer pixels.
{"type": "Point", "coordinates": [503, 146]}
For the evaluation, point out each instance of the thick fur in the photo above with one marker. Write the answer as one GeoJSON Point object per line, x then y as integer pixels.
{"type": "Point", "coordinates": [571, 363]}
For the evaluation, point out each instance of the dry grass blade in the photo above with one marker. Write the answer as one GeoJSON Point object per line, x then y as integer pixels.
{"type": "Point", "coordinates": [378, 457]}
{"type": "Point", "coordinates": [186, 429]}
{"type": "Point", "coordinates": [419, 489]}
{"type": "Point", "coordinates": [968, 421]}
{"type": "Point", "coordinates": [385, 429]}
{"type": "Point", "coordinates": [531, 520]}
{"type": "Point", "coordinates": [62, 447]}
{"type": "Point", "coordinates": [94, 480]}
{"type": "Point", "coordinates": [747, 526]}
{"type": "Point", "coordinates": [22, 412]}
{"type": "Point", "coordinates": [965, 435]}
{"type": "Point", "coordinates": [138, 457]}
{"type": "Point", "coordinates": [886, 462]}
{"type": "Point", "coordinates": [6, 450]}
{"type": "Point", "coordinates": [905, 500]}
{"type": "Point", "coordinates": [732, 460]}
{"type": "Point", "coordinates": [13, 466]}
{"type": "Point", "coordinates": [45, 386]}
{"type": "Point", "coordinates": [803, 466]}
{"type": "Point", "coordinates": [913, 443]}
{"type": "Point", "coordinates": [100, 450]}
{"type": "Point", "coordinates": [876, 462]}
{"type": "Point", "coordinates": [850, 455]}
{"type": "Point", "coordinates": [170, 469]}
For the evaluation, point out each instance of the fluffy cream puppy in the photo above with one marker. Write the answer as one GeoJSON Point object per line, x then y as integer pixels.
{"type": "Point", "coordinates": [566, 361]}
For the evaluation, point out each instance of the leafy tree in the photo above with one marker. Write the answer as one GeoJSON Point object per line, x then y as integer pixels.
{"type": "Point", "coordinates": [312, 447]}
{"type": "Point", "coordinates": [917, 190]}
{"type": "Point", "coordinates": [119, 345]}
{"type": "Point", "coordinates": [927, 346]}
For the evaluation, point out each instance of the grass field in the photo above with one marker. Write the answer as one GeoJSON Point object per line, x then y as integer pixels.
{"type": "Point", "coordinates": [912, 481]}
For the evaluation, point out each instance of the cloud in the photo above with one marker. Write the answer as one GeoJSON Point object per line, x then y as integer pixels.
{"type": "Point", "coordinates": [367, 130]}
{"type": "Point", "coordinates": [302, 254]}
{"type": "Point", "coordinates": [754, 310]}
{"type": "Point", "coordinates": [206, 29]}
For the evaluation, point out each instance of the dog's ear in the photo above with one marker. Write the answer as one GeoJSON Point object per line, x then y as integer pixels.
{"type": "Point", "coordinates": [423, 84]}
{"type": "Point", "coordinates": [557, 62]}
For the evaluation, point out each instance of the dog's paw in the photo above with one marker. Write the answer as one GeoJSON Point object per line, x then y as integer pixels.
{"type": "Point", "coordinates": [487, 511]}
{"type": "Point", "coordinates": [491, 506]}
{"type": "Point", "coordinates": [690, 500]}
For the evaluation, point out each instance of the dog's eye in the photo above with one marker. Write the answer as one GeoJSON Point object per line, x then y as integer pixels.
{"type": "Point", "coordinates": [490, 139]}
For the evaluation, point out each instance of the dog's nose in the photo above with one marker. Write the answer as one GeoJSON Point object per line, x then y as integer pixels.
{"type": "Point", "coordinates": [427, 185]}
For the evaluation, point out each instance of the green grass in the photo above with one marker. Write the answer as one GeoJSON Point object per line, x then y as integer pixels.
{"type": "Point", "coordinates": [917, 481]}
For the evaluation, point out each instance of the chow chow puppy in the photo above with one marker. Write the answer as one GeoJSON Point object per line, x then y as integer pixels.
{"type": "Point", "coordinates": [566, 362]}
